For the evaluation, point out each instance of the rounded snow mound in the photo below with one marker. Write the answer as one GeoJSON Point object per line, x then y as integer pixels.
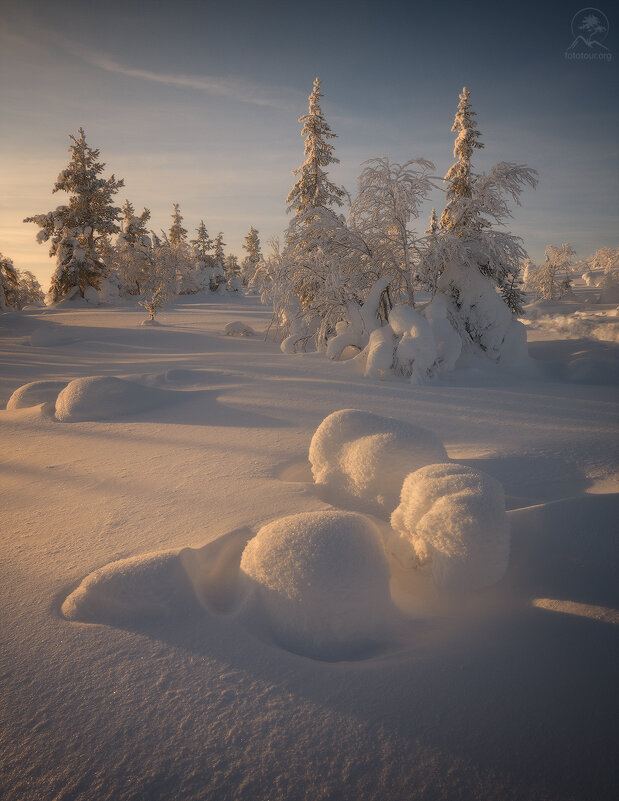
{"type": "Point", "coordinates": [141, 587]}
{"type": "Point", "coordinates": [34, 393]}
{"type": "Point", "coordinates": [451, 523]}
{"type": "Point", "coordinates": [103, 397]}
{"type": "Point", "coordinates": [239, 329]}
{"type": "Point", "coordinates": [320, 583]}
{"type": "Point", "coordinates": [361, 459]}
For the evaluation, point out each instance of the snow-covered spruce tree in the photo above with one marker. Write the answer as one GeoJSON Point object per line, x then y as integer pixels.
{"type": "Point", "coordinates": [251, 246]}
{"type": "Point", "coordinates": [232, 270]}
{"type": "Point", "coordinates": [177, 235]}
{"type": "Point", "coordinates": [131, 256]}
{"type": "Point", "coordinates": [188, 273]}
{"type": "Point", "coordinates": [219, 259]}
{"type": "Point", "coordinates": [552, 280]}
{"type": "Point", "coordinates": [78, 230]}
{"type": "Point", "coordinates": [202, 246]}
{"type": "Point", "coordinates": [312, 187]}
{"type": "Point", "coordinates": [477, 259]}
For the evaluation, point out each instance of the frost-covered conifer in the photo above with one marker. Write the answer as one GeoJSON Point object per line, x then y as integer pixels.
{"type": "Point", "coordinates": [459, 215]}
{"type": "Point", "coordinates": [513, 294]}
{"type": "Point", "coordinates": [254, 254]}
{"type": "Point", "coordinates": [177, 235]}
{"type": "Point", "coordinates": [133, 226]}
{"type": "Point", "coordinates": [79, 230]}
{"type": "Point", "coordinates": [219, 258]}
{"type": "Point", "coordinates": [202, 244]}
{"type": "Point", "coordinates": [312, 187]}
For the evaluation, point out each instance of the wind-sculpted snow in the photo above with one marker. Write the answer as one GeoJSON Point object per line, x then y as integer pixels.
{"type": "Point", "coordinates": [315, 583]}
{"type": "Point", "coordinates": [321, 582]}
{"type": "Point", "coordinates": [107, 397]}
{"type": "Point", "coordinates": [451, 523]}
{"type": "Point", "coordinates": [359, 460]}
{"type": "Point", "coordinates": [34, 393]}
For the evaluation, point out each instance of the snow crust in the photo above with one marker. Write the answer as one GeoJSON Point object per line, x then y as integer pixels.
{"type": "Point", "coordinates": [361, 459]}
{"type": "Point", "coordinates": [321, 580]}
{"type": "Point", "coordinates": [451, 523]}
{"type": "Point", "coordinates": [103, 397]}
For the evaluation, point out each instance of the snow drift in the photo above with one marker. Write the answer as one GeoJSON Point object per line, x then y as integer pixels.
{"type": "Point", "coordinates": [359, 459]}
{"type": "Point", "coordinates": [104, 397]}
{"type": "Point", "coordinates": [321, 582]}
{"type": "Point", "coordinates": [451, 523]}
{"type": "Point", "coordinates": [34, 393]}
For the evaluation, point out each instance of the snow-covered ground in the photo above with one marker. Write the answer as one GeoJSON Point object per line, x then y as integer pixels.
{"type": "Point", "coordinates": [189, 682]}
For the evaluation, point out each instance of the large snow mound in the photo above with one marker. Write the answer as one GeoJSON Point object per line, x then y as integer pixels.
{"type": "Point", "coordinates": [34, 393]}
{"type": "Point", "coordinates": [320, 583]}
{"type": "Point", "coordinates": [105, 397]}
{"type": "Point", "coordinates": [360, 459]}
{"type": "Point", "coordinates": [451, 523]}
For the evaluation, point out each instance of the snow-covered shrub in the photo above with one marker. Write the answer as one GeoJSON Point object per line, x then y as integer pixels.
{"type": "Point", "coordinates": [34, 393]}
{"type": "Point", "coordinates": [552, 280]}
{"type": "Point", "coordinates": [18, 288]}
{"type": "Point", "coordinates": [319, 582]}
{"type": "Point", "coordinates": [451, 523]}
{"type": "Point", "coordinates": [238, 329]}
{"type": "Point", "coordinates": [360, 459]}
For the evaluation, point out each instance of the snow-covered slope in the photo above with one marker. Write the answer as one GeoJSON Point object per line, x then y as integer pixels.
{"type": "Point", "coordinates": [177, 690]}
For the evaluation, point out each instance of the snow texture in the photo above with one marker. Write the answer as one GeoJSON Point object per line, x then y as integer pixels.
{"type": "Point", "coordinates": [106, 397]}
{"type": "Point", "coordinates": [34, 393]}
{"type": "Point", "coordinates": [451, 523]}
{"type": "Point", "coordinates": [448, 343]}
{"type": "Point", "coordinates": [321, 580]}
{"type": "Point", "coordinates": [360, 459]}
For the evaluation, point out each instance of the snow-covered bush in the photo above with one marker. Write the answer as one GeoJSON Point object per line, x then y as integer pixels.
{"type": "Point", "coordinates": [451, 523]}
{"type": "Point", "coordinates": [319, 582]}
{"type": "Point", "coordinates": [360, 459]}
{"type": "Point", "coordinates": [18, 288]}
{"type": "Point", "coordinates": [552, 280]}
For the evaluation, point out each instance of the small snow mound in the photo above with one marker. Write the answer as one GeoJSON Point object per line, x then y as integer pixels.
{"type": "Point", "coordinates": [52, 335]}
{"type": "Point", "coordinates": [104, 397]}
{"type": "Point", "coordinates": [239, 329]}
{"type": "Point", "coordinates": [151, 586]}
{"type": "Point", "coordinates": [35, 393]}
{"type": "Point", "coordinates": [149, 322]}
{"type": "Point", "coordinates": [361, 459]}
{"type": "Point", "coordinates": [451, 523]}
{"type": "Point", "coordinates": [319, 581]}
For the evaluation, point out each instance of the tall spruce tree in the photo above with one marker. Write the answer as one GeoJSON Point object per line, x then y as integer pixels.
{"type": "Point", "coordinates": [79, 231]}
{"type": "Point", "coordinates": [202, 244]}
{"type": "Point", "coordinates": [458, 214]}
{"type": "Point", "coordinates": [177, 235]}
{"type": "Point", "coordinates": [312, 187]}
{"type": "Point", "coordinates": [254, 254]}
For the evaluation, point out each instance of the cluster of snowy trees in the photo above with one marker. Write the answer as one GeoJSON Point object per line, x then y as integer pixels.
{"type": "Point", "coordinates": [103, 251]}
{"type": "Point", "coordinates": [552, 279]}
{"type": "Point", "coordinates": [18, 288]}
{"type": "Point", "coordinates": [348, 282]}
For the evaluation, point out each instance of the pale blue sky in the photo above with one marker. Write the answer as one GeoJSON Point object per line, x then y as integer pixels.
{"type": "Point", "coordinates": [197, 103]}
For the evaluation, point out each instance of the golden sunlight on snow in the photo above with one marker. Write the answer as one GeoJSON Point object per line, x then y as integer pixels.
{"type": "Point", "coordinates": [601, 613]}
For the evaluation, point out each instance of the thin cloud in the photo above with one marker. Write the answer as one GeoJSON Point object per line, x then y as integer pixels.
{"type": "Point", "coordinates": [242, 91]}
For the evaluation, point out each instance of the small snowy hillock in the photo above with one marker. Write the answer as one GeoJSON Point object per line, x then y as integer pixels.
{"type": "Point", "coordinates": [34, 393]}
{"type": "Point", "coordinates": [105, 397]}
{"type": "Point", "coordinates": [359, 459]}
{"type": "Point", "coordinates": [320, 581]}
{"type": "Point", "coordinates": [451, 524]}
